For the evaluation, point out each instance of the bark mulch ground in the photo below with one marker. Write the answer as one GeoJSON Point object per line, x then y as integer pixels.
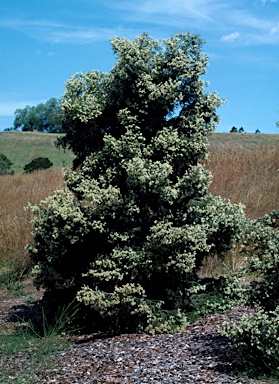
{"type": "Point", "coordinates": [197, 355]}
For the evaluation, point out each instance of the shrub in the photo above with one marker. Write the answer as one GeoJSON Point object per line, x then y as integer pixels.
{"type": "Point", "coordinates": [128, 232]}
{"type": "Point", "coordinates": [38, 163]}
{"type": "Point", "coordinates": [262, 250]}
{"type": "Point", "coordinates": [5, 165]}
{"type": "Point", "coordinates": [220, 294]}
{"type": "Point", "coordinates": [256, 337]}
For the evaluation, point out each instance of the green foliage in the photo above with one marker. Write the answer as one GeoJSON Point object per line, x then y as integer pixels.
{"type": "Point", "coordinates": [43, 117]}
{"type": "Point", "coordinates": [38, 163]}
{"type": "Point", "coordinates": [262, 250]}
{"type": "Point", "coordinates": [149, 83]}
{"type": "Point", "coordinates": [219, 294]}
{"type": "Point", "coordinates": [10, 276]}
{"type": "Point", "coordinates": [5, 165]}
{"type": "Point", "coordinates": [128, 232]}
{"type": "Point", "coordinates": [256, 336]}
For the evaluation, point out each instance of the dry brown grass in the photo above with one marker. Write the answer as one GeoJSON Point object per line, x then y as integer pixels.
{"type": "Point", "coordinates": [248, 176]}
{"type": "Point", "coordinates": [15, 227]}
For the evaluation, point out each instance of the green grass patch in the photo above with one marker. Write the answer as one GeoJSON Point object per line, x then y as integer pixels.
{"type": "Point", "coordinates": [30, 349]}
{"type": "Point", "coordinates": [22, 147]}
{"type": "Point", "coordinates": [23, 355]}
{"type": "Point", "coordinates": [10, 276]}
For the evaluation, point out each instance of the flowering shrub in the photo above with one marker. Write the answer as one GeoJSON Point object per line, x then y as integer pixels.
{"type": "Point", "coordinates": [220, 294]}
{"type": "Point", "coordinates": [256, 337]}
{"type": "Point", "coordinates": [129, 231]}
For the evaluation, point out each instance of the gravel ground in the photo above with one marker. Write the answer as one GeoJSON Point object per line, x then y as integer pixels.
{"type": "Point", "coordinates": [197, 355]}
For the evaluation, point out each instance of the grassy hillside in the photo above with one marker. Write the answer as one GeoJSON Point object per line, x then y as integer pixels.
{"type": "Point", "coordinates": [23, 147]}
{"type": "Point", "coordinates": [242, 140]}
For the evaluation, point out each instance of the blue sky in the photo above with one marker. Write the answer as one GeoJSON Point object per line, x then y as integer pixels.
{"type": "Point", "coordinates": [44, 42]}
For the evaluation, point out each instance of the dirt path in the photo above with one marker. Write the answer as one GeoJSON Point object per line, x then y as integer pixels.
{"type": "Point", "coordinates": [16, 302]}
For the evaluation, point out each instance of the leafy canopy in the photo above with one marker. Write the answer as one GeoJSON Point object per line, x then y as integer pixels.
{"type": "Point", "coordinates": [128, 232]}
{"type": "Point", "coordinates": [154, 84]}
{"type": "Point", "coordinates": [43, 117]}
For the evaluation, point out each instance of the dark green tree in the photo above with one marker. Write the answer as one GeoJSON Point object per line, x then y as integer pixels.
{"type": "Point", "coordinates": [5, 165]}
{"type": "Point", "coordinates": [38, 163]}
{"type": "Point", "coordinates": [43, 117]}
{"type": "Point", "coordinates": [129, 231]}
{"type": "Point", "coordinates": [234, 130]}
{"type": "Point", "coordinates": [149, 84]}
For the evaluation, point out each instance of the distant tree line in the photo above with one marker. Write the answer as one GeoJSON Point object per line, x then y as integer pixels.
{"type": "Point", "coordinates": [236, 130]}
{"type": "Point", "coordinates": [43, 118]}
{"type": "Point", "coordinates": [241, 130]}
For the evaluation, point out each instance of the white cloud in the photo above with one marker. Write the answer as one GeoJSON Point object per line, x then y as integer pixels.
{"type": "Point", "coordinates": [21, 24]}
{"type": "Point", "coordinates": [246, 19]}
{"type": "Point", "coordinates": [201, 16]}
{"type": "Point", "coordinates": [266, 1]}
{"type": "Point", "coordinates": [61, 33]}
{"type": "Point", "coordinates": [181, 14]}
{"type": "Point", "coordinates": [253, 28]}
{"type": "Point", "coordinates": [274, 30]}
{"type": "Point", "coordinates": [231, 37]}
{"type": "Point", "coordinates": [7, 108]}
{"type": "Point", "coordinates": [84, 35]}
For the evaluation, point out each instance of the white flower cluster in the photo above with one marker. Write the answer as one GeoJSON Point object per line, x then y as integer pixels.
{"type": "Point", "coordinates": [127, 234]}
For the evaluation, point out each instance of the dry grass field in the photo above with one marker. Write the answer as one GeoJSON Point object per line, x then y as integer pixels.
{"type": "Point", "coordinates": [15, 229]}
{"type": "Point", "coordinates": [244, 168]}
{"type": "Point", "coordinates": [246, 175]}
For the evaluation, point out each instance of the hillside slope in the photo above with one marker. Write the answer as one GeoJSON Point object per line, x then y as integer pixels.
{"type": "Point", "coordinates": [22, 147]}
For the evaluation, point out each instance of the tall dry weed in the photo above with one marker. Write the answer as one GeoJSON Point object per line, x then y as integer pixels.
{"type": "Point", "coordinates": [248, 176]}
{"type": "Point", "coordinates": [15, 228]}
